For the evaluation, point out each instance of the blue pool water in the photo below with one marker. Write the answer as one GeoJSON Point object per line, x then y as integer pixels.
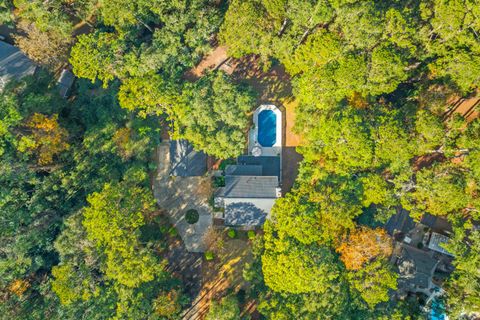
{"type": "Point", "coordinates": [267, 128]}
{"type": "Point", "coordinates": [437, 311]}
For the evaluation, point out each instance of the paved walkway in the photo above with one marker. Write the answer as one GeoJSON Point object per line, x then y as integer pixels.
{"type": "Point", "coordinates": [178, 194]}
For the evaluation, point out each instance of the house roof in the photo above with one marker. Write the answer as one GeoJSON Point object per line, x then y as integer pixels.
{"type": "Point", "coordinates": [243, 170]}
{"type": "Point", "coordinates": [270, 164]}
{"type": "Point", "coordinates": [185, 161]}
{"type": "Point", "coordinates": [247, 212]}
{"type": "Point", "coordinates": [437, 224]}
{"type": "Point", "coordinates": [250, 187]}
{"type": "Point", "coordinates": [13, 64]}
{"type": "Point", "coordinates": [416, 267]}
{"type": "Point", "coordinates": [435, 240]}
{"type": "Point", "coordinates": [399, 222]}
{"type": "Point", "coordinates": [65, 82]}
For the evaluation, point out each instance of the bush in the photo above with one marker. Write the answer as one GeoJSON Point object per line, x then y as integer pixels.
{"type": "Point", "coordinates": [191, 216]}
{"type": "Point", "coordinates": [218, 182]}
{"type": "Point", "coordinates": [209, 255]}
{"type": "Point", "coordinates": [251, 234]}
{"type": "Point", "coordinates": [173, 231]}
{"type": "Point", "coordinates": [232, 233]}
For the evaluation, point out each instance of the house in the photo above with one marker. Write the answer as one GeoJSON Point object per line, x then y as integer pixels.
{"type": "Point", "coordinates": [65, 82]}
{"type": "Point", "coordinates": [14, 65]}
{"type": "Point", "coordinates": [415, 268]}
{"type": "Point", "coordinates": [185, 161]}
{"type": "Point", "coordinates": [399, 224]}
{"type": "Point", "coordinates": [251, 188]}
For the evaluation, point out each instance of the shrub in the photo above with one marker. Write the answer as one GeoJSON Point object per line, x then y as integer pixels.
{"type": "Point", "coordinates": [191, 216]}
{"type": "Point", "coordinates": [209, 255]}
{"type": "Point", "coordinates": [173, 231]}
{"type": "Point", "coordinates": [232, 233]}
{"type": "Point", "coordinates": [251, 234]}
{"type": "Point", "coordinates": [218, 182]}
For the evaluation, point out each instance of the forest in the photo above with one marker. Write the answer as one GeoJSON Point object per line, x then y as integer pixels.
{"type": "Point", "coordinates": [373, 81]}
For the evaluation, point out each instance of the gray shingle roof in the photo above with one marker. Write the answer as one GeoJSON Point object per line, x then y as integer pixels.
{"type": "Point", "coordinates": [270, 164]}
{"type": "Point", "coordinates": [185, 161]}
{"type": "Point", "coordinates": [13, 64]}
{"type": "Point", "coordinates": [399, 222]}
{"type": "Point", "coordinates": [416, 267]}
{"type": "Point", "coordinates": [250, 187]}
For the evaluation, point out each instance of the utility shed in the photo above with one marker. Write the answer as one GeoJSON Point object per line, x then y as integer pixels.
{"type": "Point", "coordinates": [65, 82]}
{"type": "Point", "coordinates": [185, 161]}
{"type": "Point", "coordinates": [13, 64]}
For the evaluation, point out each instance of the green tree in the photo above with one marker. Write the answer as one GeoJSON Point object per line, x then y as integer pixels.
{"type": "Point", "coordinates": [112, 221]}
{"type": "Point", "coordinates": [226, 309]}
{"type": "Point", "coordinates": [97, 56]}
{"type": "Point", "coordinates": [374, 282]}
{"type": "Point", "coordinates": [213, 116]}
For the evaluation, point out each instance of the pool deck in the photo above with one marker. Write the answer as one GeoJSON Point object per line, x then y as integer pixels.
{"type": "Point", "coordinates": [276, 149]}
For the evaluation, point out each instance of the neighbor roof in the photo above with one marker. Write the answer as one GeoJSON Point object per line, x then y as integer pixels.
{"type": "Point", "coordinates": [435, 243]}
{"type": "Point", "coordinates": [416, 267]}
{"type": "Point", "coordinates": [247, 212]}
{"type": "Point", "coordinates": [270, 164]}
{"type": "Point", "coordinates": [13, 64]}
{"type": "Point", "coordinates": [399, 222]}
{"type": "Point", "coordinates": [250, 187]}
{"type": "Point", "coordinates": [65, 82]}
{"type": "Point", "coordinates": [185, 161]}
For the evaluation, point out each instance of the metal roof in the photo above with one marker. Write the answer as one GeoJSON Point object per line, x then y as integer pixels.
{"type": "Point", "coordinates": [13, 64]}
{"type": "Point", "coordinates": [250, 187]}
{"type": "Point", "coordinates": [270, 164]}
{"type": "Point", "coordinates": [243, 170]}
{"type": "Point", "coordinates": [185, 161]}
{"type": "Point", "coordinates": [65, 82]}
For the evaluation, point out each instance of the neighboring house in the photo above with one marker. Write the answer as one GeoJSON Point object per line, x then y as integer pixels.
{"type": "Point", "coordinates": [65, 82]}
{"type": "Point", "coordinates": [399, 224]}
{"type": "Point", "coordinates": [185, 161]}
{"type": "Point", "coordinates": [416, 268]}
{"type": "Point", "coordinates": [418, 254]}
{"type": "Point", "coordinates": [251, 188]}
{"type": "Point", "coordinates": [14, 65]}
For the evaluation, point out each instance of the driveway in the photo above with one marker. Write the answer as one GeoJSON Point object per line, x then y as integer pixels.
{"type": "Point", "coordinates": [176, 195]}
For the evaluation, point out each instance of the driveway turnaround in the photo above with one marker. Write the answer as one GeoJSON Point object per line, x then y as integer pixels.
{"type": "Point", "coordinates": [176, 195]}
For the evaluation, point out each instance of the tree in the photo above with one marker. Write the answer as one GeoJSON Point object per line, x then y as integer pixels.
{"type": "Point", "coordinates": [148, 94]}
{"type": "Point", "coordinates": [47, 138]}
{"type": "Point", "coordinates": [213, 116]}
{"type": "Point", "coordinates": [47, 48]}
{"type": "Point", "coordinates": [112, 222]}
{"type": "Point", "coordinates": [241, 15]}
{"type": "Point", "coordinates": [97, 56]}
{"type": "Point", "coordinates": [168, 304]}
{"type": "Point", "coordinates": [463, 286]}
{"type": "Point", "coordinates": [226, 309]}
{"type": "Point", "coordinates": [364, 245]}
{"type": "Point", "coordinates": [374, 281]}
{"type": "Point", "coordinates": [308, 268]}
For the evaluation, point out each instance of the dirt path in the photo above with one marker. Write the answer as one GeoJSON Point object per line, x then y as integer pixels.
{"type": "Point", "coordinates": [220, 277]}
{"type": "Point", "coordinates": [210, 62]}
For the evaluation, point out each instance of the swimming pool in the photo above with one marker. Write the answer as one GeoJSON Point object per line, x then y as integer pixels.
{"type": "Point", "coordinates": [267, 128]}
